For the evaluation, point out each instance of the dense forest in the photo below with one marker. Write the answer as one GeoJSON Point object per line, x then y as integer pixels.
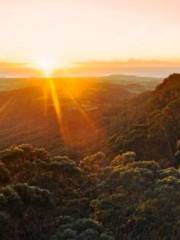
{"type": "Point", "coordinates": [115, 179]}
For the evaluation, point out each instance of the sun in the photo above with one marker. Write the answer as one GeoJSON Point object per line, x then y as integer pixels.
{"type": "Point", "coordinates": [46, 65]}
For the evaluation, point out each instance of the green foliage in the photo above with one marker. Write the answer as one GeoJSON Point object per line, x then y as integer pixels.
{"type": "Point", "coordinates": [54, 198]}
{"type": "Point", "coordinates": [81, 229]}
{"type": "Point", "coordinates": [4, 174]}
{"type": "Point", "coordinates": [93, 163]}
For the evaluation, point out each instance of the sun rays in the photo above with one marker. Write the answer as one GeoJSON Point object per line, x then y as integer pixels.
{"type": "Point", "coordinates": [65, 96]}
{"type": "Point", "coordinates": [60, 91]}
{"type": "Point", "coordinates": [55, 98]}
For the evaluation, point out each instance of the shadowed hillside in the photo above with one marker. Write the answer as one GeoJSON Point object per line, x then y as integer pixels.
{"type": "Point", "coordinates": [29, 115]}
{"type": "Point", "coordinates": [150, 122]}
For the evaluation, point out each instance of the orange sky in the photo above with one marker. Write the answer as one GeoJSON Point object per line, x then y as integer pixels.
{"type": "Point", "coordinates": [71, 31]}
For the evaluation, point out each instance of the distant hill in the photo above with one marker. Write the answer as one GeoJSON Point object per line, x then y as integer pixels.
{"type": "Point", "coordinates": [133, 83]}
{"type": "Point", "coordinates": [7, 84]}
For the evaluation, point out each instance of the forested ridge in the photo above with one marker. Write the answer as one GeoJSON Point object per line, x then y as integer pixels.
{"type": "Point", "coordinates": [123, 187]}
{"type": "Point", "coordinates": [149, 123]}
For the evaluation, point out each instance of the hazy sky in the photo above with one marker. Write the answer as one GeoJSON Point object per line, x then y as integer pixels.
{"type": "Point", "coordinates": [89, 29]}
{"type": "Point", "coordinates": [81, 30]}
